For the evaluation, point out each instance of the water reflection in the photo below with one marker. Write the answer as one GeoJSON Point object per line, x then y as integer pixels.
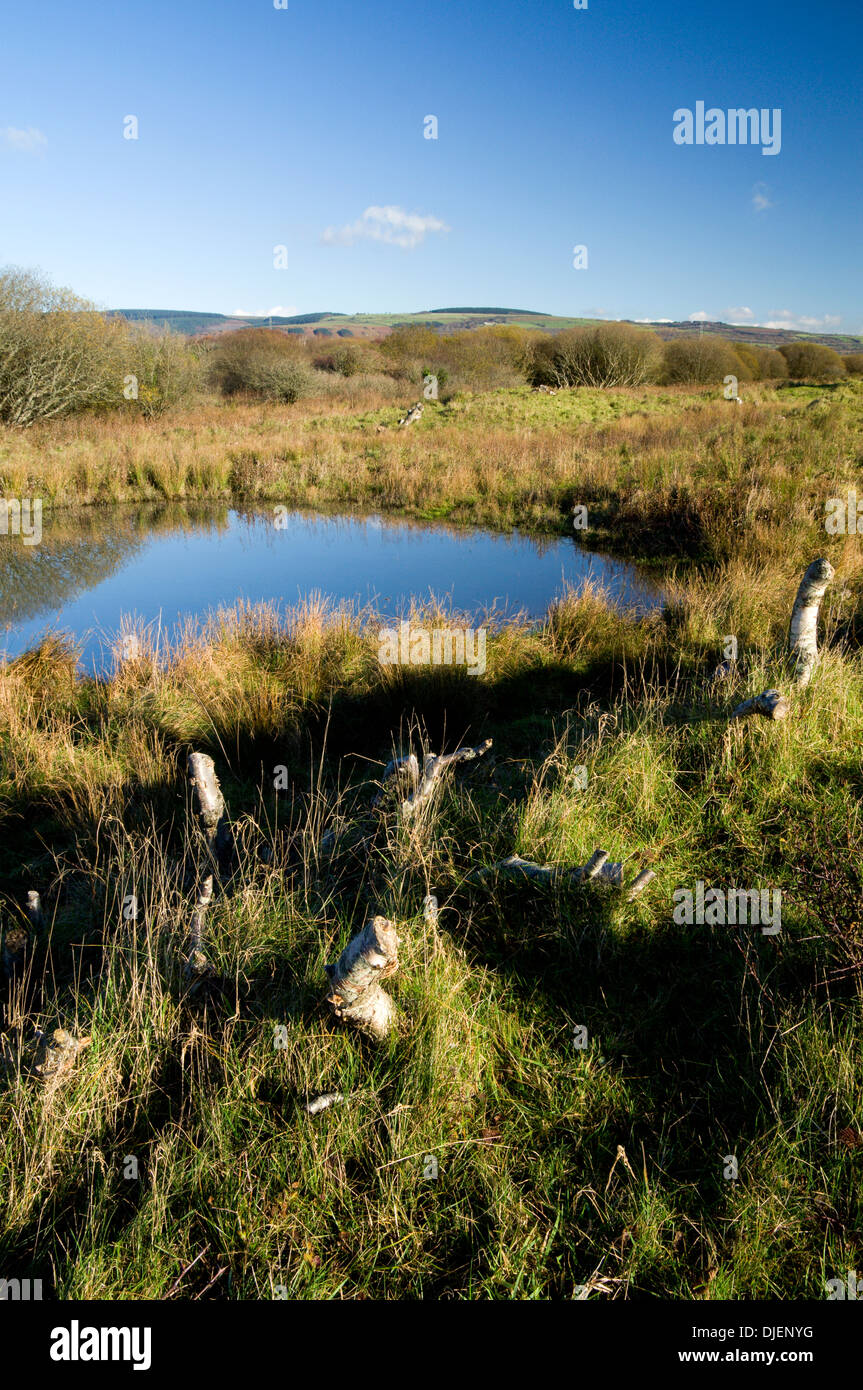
{"type": "Point", "coordinates": [166, 562]}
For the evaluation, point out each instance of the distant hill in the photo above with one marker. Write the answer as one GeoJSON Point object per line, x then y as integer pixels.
{"type": "Point", "coordinates": [324, 324]}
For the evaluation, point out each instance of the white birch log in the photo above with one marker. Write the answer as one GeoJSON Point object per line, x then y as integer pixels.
{"type": "Point", "coordinates": [211, 809]}
{"type": "Point", "coordinates": [355, 979]}
{"type": "Point", "coordinates": [771, 703]}
{"type": "Point", "coordinates": [433, 767]}
{"type": "Point", "coordinates": [803, 634]}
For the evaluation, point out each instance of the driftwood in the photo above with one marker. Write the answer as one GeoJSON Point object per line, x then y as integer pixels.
{"type": "Point", "coordinates": [355, 979]}
{"type": "Point", "coordinates": [802, 643]}
{"type": "Point", "coordinates": [211, 810]}
{"type": "Point", "coordinates": [598, 867]}
{"type": "Point", "coordinates": [433, 766]}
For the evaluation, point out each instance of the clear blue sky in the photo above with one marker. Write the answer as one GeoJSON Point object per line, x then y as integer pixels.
{"type": "Point", "coordinates": [261, 127]}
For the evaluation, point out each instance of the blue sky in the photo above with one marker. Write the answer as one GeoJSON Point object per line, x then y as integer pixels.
{"type": "Point", "coordinates": [261, 127]}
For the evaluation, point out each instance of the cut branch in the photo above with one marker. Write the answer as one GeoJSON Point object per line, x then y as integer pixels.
{"type": "Point", "coordinates": [355, 980]}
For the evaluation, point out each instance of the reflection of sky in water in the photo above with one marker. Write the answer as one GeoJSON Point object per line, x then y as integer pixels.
{"type": "Point", "coordinates": [186, 572]}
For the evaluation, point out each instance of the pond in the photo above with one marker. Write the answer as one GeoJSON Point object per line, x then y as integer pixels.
{"type": "Point", "coordinates": [164, 564]}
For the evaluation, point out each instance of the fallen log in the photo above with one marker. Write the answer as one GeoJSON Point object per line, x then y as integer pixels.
{"type": "Point", "coordinates": [433, 766]}
{"type": "Point", "coordinates": [598, 867]}
{"type": "Point", "coordinates": [355, 992]}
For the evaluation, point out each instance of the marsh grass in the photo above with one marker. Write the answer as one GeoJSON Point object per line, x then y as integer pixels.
{"type": "Point", "coordinates": [560, 1168]}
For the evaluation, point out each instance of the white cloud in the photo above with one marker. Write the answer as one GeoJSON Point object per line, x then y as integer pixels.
{"type": "Point", "coordinates": [783, 318]}
{"type": "Point", "coordinates": [742, 312]}
{"type": "Point", "coordinates": [388, 224]}
{"type": "Point", "coordinates": [27, 140]}
{"type": "Point", "coordinates": [279, 311]}
{"type": "Point", "coordinates": [699, 317]}
{"type": "Point", "coordinates": [654, 320]}
{"type": "Point", "coordinates": [761, 198]}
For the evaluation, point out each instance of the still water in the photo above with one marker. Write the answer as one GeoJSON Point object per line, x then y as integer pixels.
{"type": "Point", "coordinates": [166, 564]}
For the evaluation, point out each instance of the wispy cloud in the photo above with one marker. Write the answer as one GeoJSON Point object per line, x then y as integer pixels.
{"type": "Point", "coordinates": [783, 318]}
{"type": "Point", "coordinates": [28, 141]}
{"type": "Point", "coordinates": [700, 316]}
{"type": "Point", "coordinates": [741, 313]}
{"type": "Point", "coordinates": [390, 224]}
{"type": "Point", "coordinates": [761, 197]}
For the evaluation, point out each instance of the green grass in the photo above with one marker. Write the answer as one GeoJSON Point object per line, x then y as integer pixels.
{"type": "Point", "coordinates": [562, 1170]}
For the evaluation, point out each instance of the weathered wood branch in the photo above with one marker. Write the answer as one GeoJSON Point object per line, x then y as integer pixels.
{"type": "Point", "coordinates": [598, 867]}
{"type": "Point", "coordinates": [771, 703]}
{"type": "Point", "coordinates": [355, 992]}
{"type": "Point", "coordinates": [433, 767]}
{"type": "Point", "coordinates": [211, 810]}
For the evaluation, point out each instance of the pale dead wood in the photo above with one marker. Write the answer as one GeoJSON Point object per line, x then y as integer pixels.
{"type": "Point", "coordinates": [355, 992]}
{"type": "Point", "coordinates": [434, 765]}
{"type": "Point", "coordinates": [597, 868]}
{"type": "Point", "coordinates": [211, 810]}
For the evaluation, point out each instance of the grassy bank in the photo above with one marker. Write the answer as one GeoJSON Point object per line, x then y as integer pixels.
{"type": "Point", "coordinates": [562, 1170]}
{"type": "Point", "coordinates": [665, 473]}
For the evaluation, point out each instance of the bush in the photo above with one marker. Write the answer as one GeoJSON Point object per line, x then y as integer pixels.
{"type": "Point", "coordinates": [166, 369]}
{"type": "Point", "coordinates": [701, 360]}
{"type": "Point", "coordinates": [764, 363]}
{"type": "Point", "coordinates": [57, 354]}
{"type": "Point", "coordinates": [612, 354]}
{"type": "Point", "coordinates": [813, 360]}
{"type": "Point", "coordinates": [261, 361]}
{"type": "Point", "coordinates": [854, 363]}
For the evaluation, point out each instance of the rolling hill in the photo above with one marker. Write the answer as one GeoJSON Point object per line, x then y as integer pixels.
{"type": "Point", "coordinates": [329, 324]}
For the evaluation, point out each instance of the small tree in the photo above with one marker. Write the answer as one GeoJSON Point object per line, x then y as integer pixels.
{"type": "Point", "coordinates": [854, 363]}
{"type": "Point", "coordinates": [57, 354]}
